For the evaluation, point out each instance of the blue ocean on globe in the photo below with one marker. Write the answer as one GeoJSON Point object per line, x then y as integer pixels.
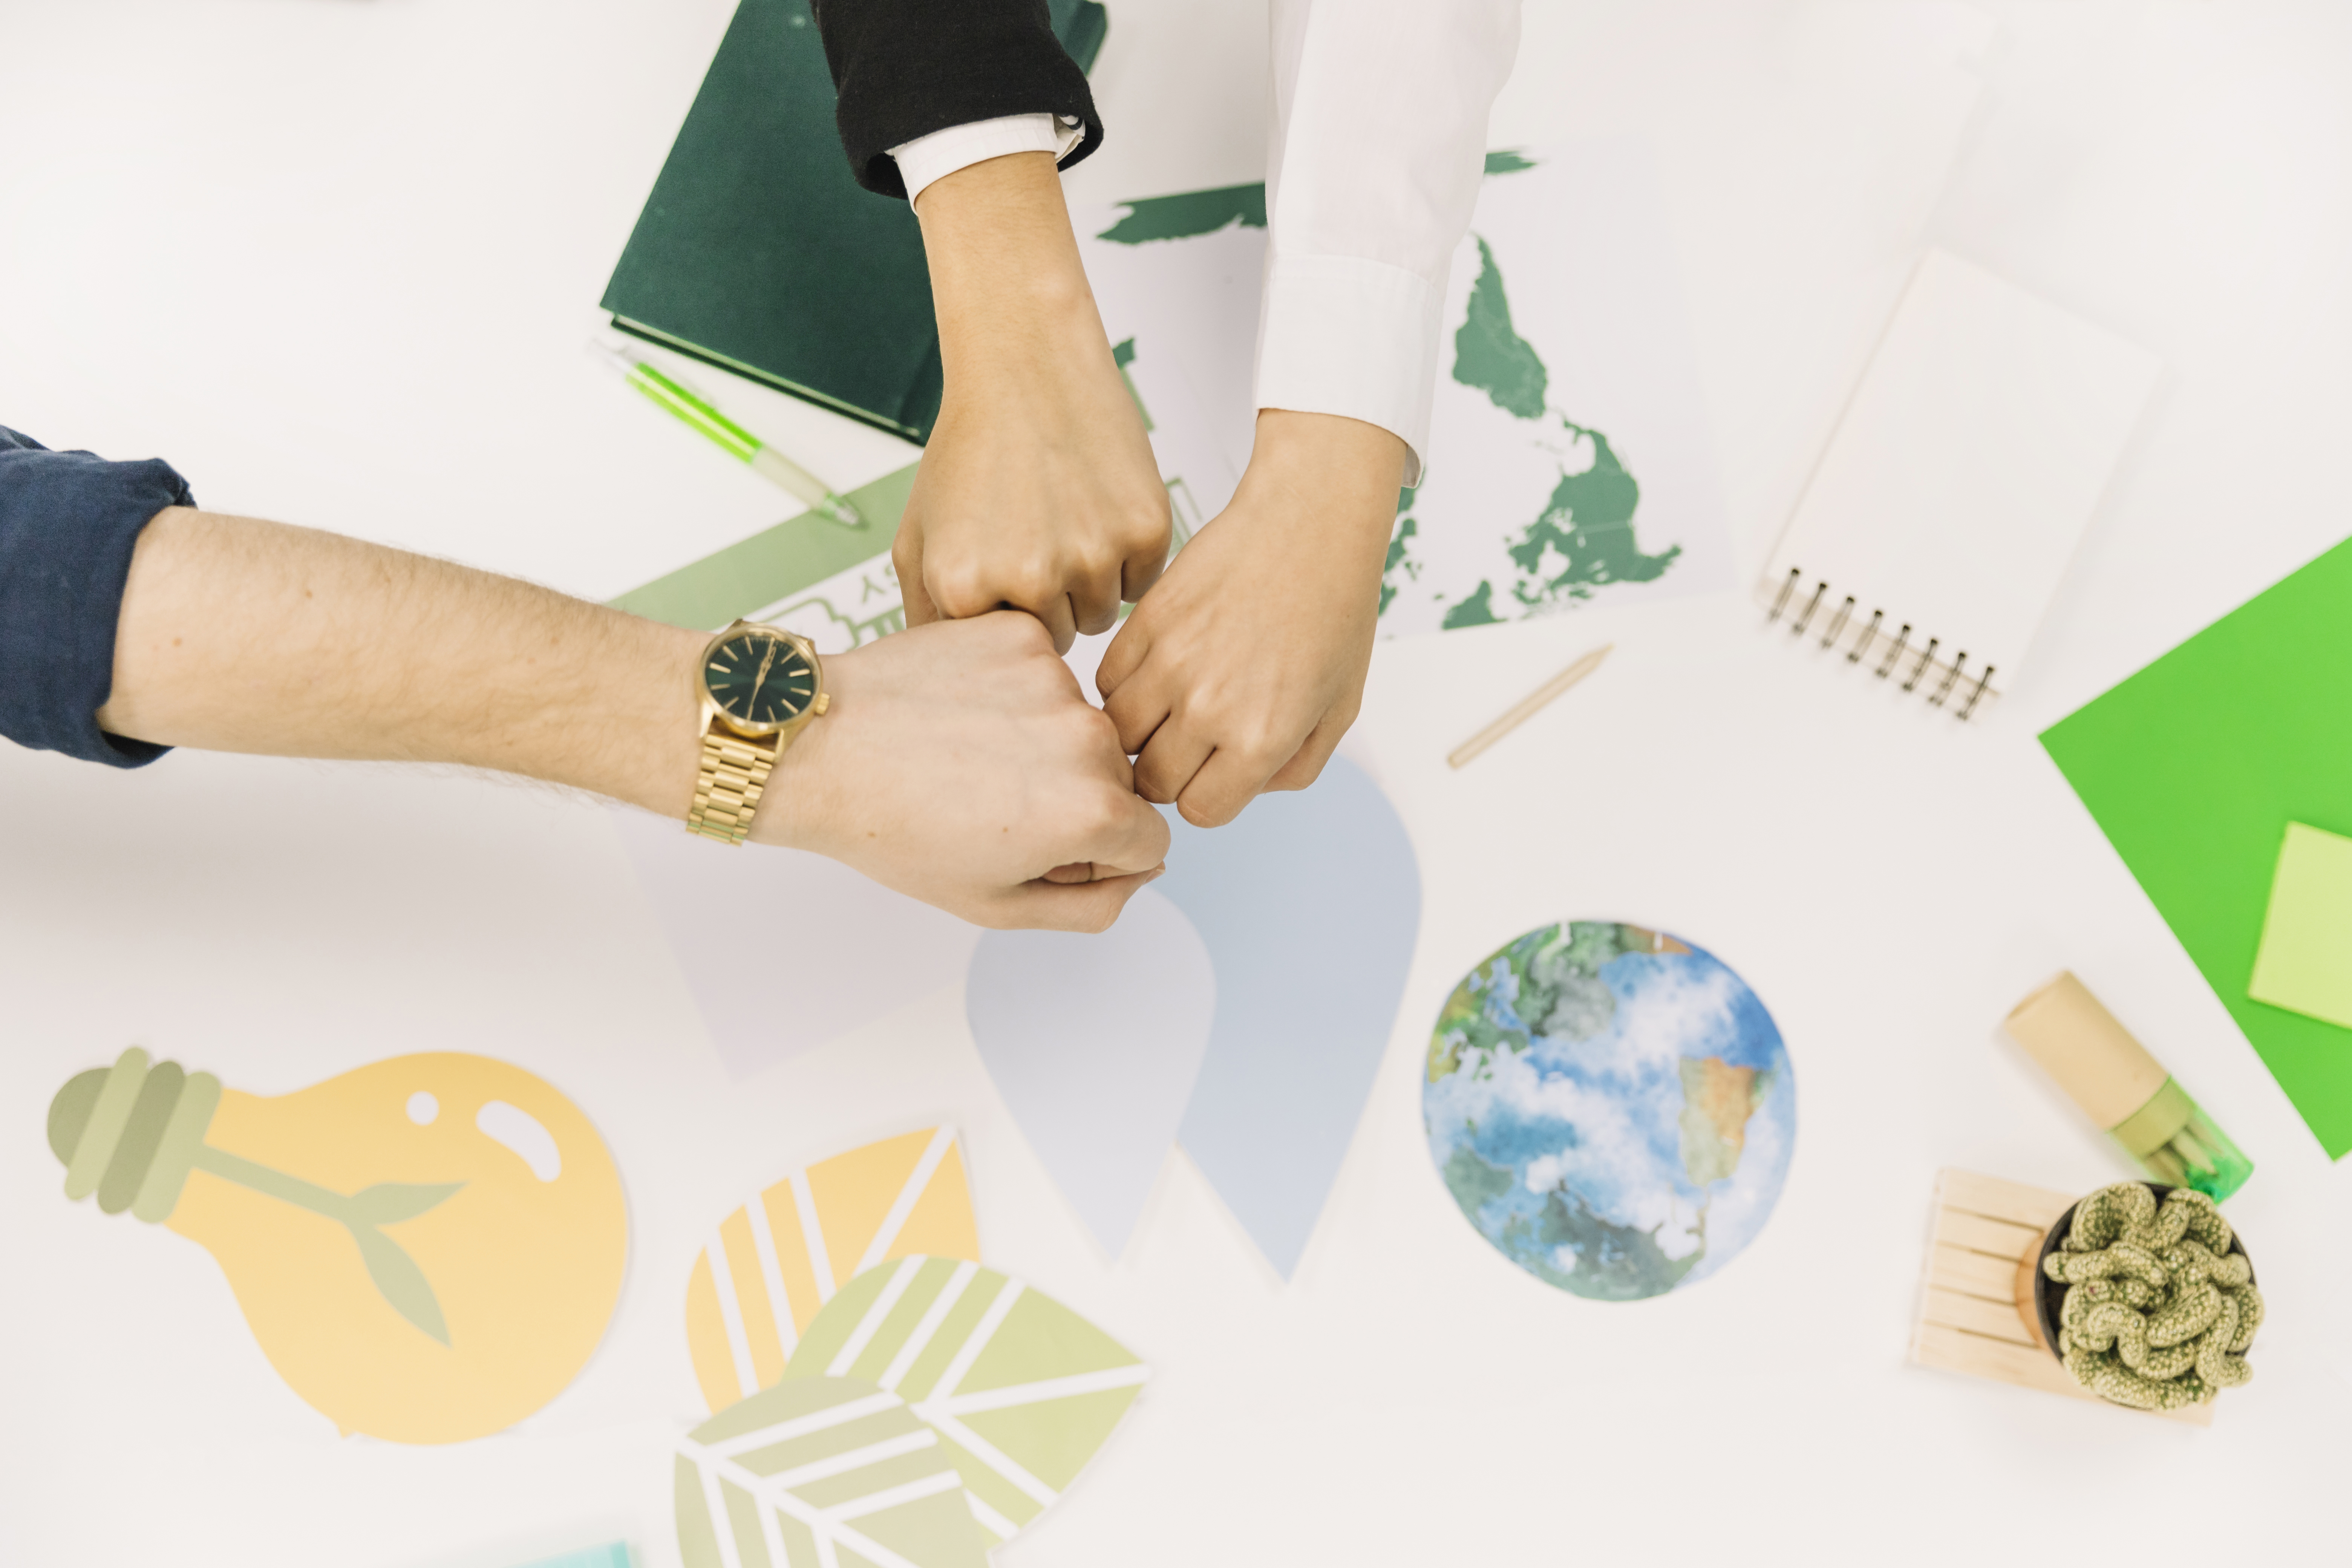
{"type": "Point", "coordinates": [1611, 1106]}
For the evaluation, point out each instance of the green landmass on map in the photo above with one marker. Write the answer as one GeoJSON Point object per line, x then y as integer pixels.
{"type": "Point", "coordinates": [1613, 1262]}
{"type": "Point", "coordinates": [1398, 547]}
{"type": "Point", "coordinates": [1557, 990]}
{"type": "Point", "coordinates": [1473, 1182]}
{"type": "Point", "coordinates": [1205, 212]}
{"type": "Point", "coordinates": [1489, 353]}
{"type": "Point", "coordinates": [1192, 214]}
{"type": "Point", "coordinates": [1583, 538]}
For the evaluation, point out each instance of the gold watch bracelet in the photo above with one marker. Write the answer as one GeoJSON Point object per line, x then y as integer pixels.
{"type": "Point", "coordinates": [735, 774]}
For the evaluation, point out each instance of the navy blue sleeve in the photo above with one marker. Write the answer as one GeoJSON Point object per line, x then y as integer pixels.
{"type": "Point", "coordinates": [68, 523]}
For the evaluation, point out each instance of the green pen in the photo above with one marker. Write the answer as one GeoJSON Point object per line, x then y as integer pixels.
{"type": "Point", "coordinates": [692, 408]}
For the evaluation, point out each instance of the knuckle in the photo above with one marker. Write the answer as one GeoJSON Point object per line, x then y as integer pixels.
{"type": "Point", "coordinates": [1258, 743]}
{"type": "Point", "coordinates": [1147, 519]}
{"type": "Point", "coordinates": [1200, 816]}
{"type": "Point", "coordinates": [1022, 634]}
{"type": "Point", "coordinates": [1149, 787]}
{"type": "Point", "coordinates": [1094, 726]}
{"type": "Point", "coordinates": [1307, 774]}
{"type": "Point", "coordinates": [1030, 583]}
{"type": "Point", "coordinates": [1094, 813]}
{"type": "Point", "coordinates": [1128, 730]}
{"type": "Point", "coordinates": [959, 587]}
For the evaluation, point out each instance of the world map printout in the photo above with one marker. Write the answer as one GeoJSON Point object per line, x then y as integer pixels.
{"type": "Point", "coordinates": [1568, 459]}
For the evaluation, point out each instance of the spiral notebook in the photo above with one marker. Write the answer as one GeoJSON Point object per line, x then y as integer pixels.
{"type": "Point", "coordinates": [1965, 468]}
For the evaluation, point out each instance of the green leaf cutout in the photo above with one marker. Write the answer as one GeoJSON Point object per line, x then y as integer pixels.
{"type": "Point", "coordinates": [389, 1202]}
{"type": "Point", "coordinates": [403, 1283]}
{"type": "Point", "coordinates": [1021, 1390]}
{"type": "Point", "coordinates": [395, 1273]}
{"type": "Point", "coordinates": [817, 1473]}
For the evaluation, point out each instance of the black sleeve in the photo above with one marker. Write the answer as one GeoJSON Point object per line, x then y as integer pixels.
{"type": "Point", "coordinates": [905, 69]}
{"type": "Point", "coordinates": [68, 523]}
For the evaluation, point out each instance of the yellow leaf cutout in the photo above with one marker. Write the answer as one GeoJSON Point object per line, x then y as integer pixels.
{"type": "Point", "coordinates": [774, 1262]}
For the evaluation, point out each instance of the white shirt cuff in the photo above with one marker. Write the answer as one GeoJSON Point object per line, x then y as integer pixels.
{"type": "Point", "coordinates": [1341, 334]}
{"type": "Point", "coordinates": [942, 152]}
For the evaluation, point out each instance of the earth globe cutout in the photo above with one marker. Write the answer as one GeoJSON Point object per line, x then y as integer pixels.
{"type": "Point", "coordinates": [1611, 1107]}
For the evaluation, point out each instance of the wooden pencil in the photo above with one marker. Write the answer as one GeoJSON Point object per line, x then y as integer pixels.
{"type": "Point", "coordinates": [1526, 707]}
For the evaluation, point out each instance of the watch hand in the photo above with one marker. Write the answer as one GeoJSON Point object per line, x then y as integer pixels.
{"type": "Point", "coordinates": [766, 660]}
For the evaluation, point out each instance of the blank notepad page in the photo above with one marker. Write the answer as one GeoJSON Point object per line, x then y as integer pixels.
{"type": "Point", "coordinates": [1934, 530]}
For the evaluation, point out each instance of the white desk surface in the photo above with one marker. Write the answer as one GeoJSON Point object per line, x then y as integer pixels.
{"type": "Point", "coordinates": [336, 259]}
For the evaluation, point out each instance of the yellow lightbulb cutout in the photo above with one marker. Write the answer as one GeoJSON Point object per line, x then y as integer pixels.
{"type": "Point", "coordinates": [427, 1248]}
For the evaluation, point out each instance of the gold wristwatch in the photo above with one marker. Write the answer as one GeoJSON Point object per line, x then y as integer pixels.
{"type": "Point", "coordinates": [759, 689]}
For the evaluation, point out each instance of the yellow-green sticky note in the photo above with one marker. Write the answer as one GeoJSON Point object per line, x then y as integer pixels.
{"type": "Point", "coordinates": [2304, 963]}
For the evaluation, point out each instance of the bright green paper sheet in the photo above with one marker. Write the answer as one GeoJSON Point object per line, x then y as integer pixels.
{"type": "Point", "coordinates": [2305, 961]}
{"type": "Point", "coordinates": [2194, 766]}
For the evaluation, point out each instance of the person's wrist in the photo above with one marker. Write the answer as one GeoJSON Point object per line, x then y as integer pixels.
{"type": "Point", "coordinates": [1289, 442]}
{"type": "Point", "coordinates": [1326, 466]}
{"type": "Point", "coordinates": [1006, 278]}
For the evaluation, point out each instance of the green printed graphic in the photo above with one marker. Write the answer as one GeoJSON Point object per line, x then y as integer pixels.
{"type": "Point", "coordinates": [1021, 1390]}
{"type": "Point", "coordinates": [1122, 354]}
{"type": "Point", "coordinates": [1205, 212]}
{"type": "Point", "coordinates": [1489, 353]}
{"type": "Point", "coordinates": [1477, 608]}
{"type": "Point", "coordinates": [1585, 536]}
{"type": "Point", "coordinates": [1191, 214]}
{"type": "Point", "coordinates": [132, 1133]}
{"type": "Point", "coordinates": [1400, 545]}
{"type": "Point", "coordinates": [1583, 539]}
{"type": "Point", "coordinates": [816, 1473]}
{"type": "Point", "coordinates": [395, 1273]}
{"type": "Point", "coordinates": [775, 562]}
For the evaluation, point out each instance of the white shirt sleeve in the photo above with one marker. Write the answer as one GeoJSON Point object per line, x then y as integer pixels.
{"type": "Point", "coordinates": [1379, 141]}
{"type": "Point", "coordinates": [942, 152]}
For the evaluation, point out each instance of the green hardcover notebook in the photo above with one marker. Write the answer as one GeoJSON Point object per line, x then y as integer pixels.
{"type": "Point", "coordinates": [2194, 767]}
{"type": "Point", "coordinates": [759, 252]}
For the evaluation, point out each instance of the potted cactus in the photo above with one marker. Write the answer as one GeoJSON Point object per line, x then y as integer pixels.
{"type": "Point", "coordinates": [2147, 1297]}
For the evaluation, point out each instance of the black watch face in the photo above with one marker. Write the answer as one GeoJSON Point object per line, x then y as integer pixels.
{"type": "Point", "coordinates": [758, 677]}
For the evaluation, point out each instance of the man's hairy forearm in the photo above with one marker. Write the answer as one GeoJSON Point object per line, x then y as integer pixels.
{"type": "Point", "coordinates": [242, 635]}
{"type": "Point", "coordinates": [957, 763]}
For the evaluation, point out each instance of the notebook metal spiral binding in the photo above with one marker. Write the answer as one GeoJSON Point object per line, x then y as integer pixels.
{"type": "Point", "coordinates": [1957, 676]}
